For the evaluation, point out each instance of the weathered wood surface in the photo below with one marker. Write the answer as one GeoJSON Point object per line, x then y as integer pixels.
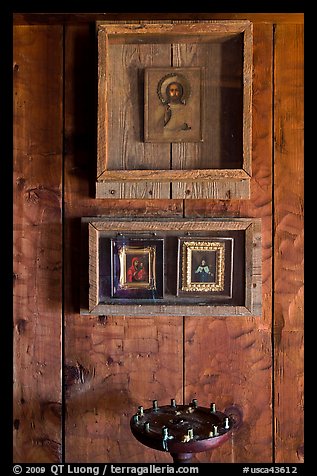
{"type": "Point", "coordinates": [225, 360]}
{"type": "Point", "coordinates": [120, 114]}
{"type": "Point", "coordinates": [93, 267]}
{"type": "Point", "coordinates": [229, 360]}
{"type": "Point", "coordinates": [226, 104]}
{"type": "Point", "coordinates": [112, 365]}
{"type": "Point", "coordinates": [289, 243]}
{"type": "Point", "coordinates": [124, 50]}
{"type": "Point", "coordinates": [37, 243]}
{"type": "Point", "coordinates": [182, 226]}
{"type": "Point", "coordinates": [167, 175]}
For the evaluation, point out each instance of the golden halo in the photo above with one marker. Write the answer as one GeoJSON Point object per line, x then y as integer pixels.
{"type": "Point", "coordinates": [173, 78]}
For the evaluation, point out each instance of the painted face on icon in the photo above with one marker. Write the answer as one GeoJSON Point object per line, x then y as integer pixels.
{"type": "Point", "coordinates": [174, 92]}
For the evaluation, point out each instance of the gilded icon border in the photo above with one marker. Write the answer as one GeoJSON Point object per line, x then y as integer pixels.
{"type": "Point", "coordinates": [137, 268]}
{"type": "Point", "coordinates": [149, 280]}
{"type": "Point", "coordinates": [188, 248]}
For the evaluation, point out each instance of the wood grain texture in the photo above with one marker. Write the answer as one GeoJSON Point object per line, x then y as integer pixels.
{"type": "Point", "coordinates": [112, 365]}
{"type": "Point", "coordinates": [37, 247]}
{"type": "Point", "coordinates": [289, 242]}
{"type": "Point", "coordinates": [223, 189]}
{"type": "Point", "coordinates": [120, 114]}
{"type": "Point", "coordinates": [124, 50]}
{"type": "Point", "coordinates": [244, 344]}
{"type": "Point", "coordinates": [93, 269]}
{"type": "Point", "coordinates": [206, 154]}
{"type": "Point", "coordinates": [125, 96]}
{"type": "Point", "coordinates": [260, 204]}
{"type": "Point", "coordinates": [80, 134]}
{"type": "Point", "coordinates": [115, 365]}
{"type": "Point", "coordinates": [133, 189]}
{"type": "Point", "coordinates": [167, 175]}
{"type": "Point", "coordinates": [228, 361]}
{"type": "Point", "coordinates": [226, 102]}
{"type": "Point", "coordinates": [182, 226]}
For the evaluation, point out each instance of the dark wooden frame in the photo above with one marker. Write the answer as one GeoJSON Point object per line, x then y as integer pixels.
{"type": "Point", "coordinates": [214, 183]}
{"type": "Point", "coordinates": [252, 268]}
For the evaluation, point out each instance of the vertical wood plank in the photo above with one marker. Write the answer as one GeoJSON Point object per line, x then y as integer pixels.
{"type": "Point", "coordinates": [93, 267]}
{"type": "Point", "coordinates": [206, 154]}
{"type": "Point", "coordinates": [222, 146]}
{"type": "Point", "coordinates": [37, 235]}
{"type": "Point", "coordinates": [226, 360]}
{"type": "Point", "coordinates": [289, 242]}
{"type": "Point", "coordinates": [260, 204]}
{"type": "Point", "coordinates": [112, 365]}
{"type": "Point", "coordinates": [229, 361]}
{"type": "Point", "coordinates": [125, 96]}
{"type": "Point", "coordinates": [80, 142]}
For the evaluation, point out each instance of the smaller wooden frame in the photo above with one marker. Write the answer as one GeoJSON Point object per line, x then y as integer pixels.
{"type": "Point", "coordinates": [239, 259]}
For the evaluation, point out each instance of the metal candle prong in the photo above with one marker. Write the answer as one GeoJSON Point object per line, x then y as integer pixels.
{"type": "Point", "coordinates": [213, 407]}
{"type": "Point", "coordinates": [136, 418]}
{"type": "Point", "coordinates": [147, 426]}
{"type": "Point", "coordinates": [211, 434]}
{"type": "Point", "coordinates": [155, 405]}
{"type": "Point", "coordinates": [165, 432]}
{"type": "Point", "coordinates": [195, 402]}
{"type": "Point", "coordinates": [141, 410]}
{"type": "Point", "coordinates": [190, 433]}
{"type": "Point", "coordinates": [216, 430]}
{"type": "Point", "coordinates": [173, 402]}
{"type": "Point", "coordinates": [227, 426]}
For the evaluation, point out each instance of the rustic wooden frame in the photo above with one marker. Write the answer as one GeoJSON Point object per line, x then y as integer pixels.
{"type": "Point", "coordinates": [214, 183]}
{"type": "Point", "coordinates": [253, 265]}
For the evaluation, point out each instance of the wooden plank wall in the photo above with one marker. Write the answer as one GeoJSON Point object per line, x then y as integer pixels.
{"type": "Point", "coordinates": [109, 366]}
{"type": "Point", "coordinates": [37, 235]}
{"type": "Point", "coordinates": [288, 243]}
{"type": "Point", "coordinates": [233, 359]}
